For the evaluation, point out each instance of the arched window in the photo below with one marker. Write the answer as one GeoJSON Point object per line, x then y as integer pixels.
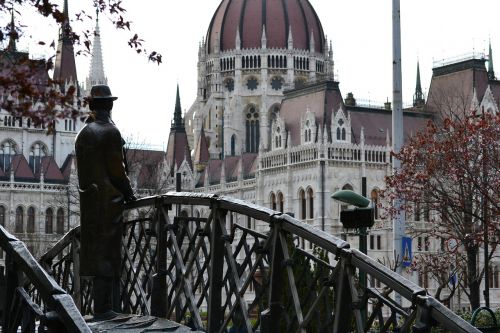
{"type": "Point", "coordinates": [30, 228]}
{"type": "Point", "coordinates": [2, 216]}
{"type": "Point", "coordinates": [49, 221]}
{"type": "Point", "coordinates": [7, 151]}
{"type": "Point", "coordinates": [310, 198]}
{"type": "Point", "coordinates": [19, 228]}
{"type": "Point", "coordinates": [233, 145]}
{"type": "Point", "coordinates": [281, 202]}
{"type": "Point", "coordinates": [303, 204]}
{"type": "Point", "coordinates": [60, 221]}
{"type": "Point", "coordinates": [341, 129]}
{"type": "Point", "coordinates": [273, 201]}
{"type": "Point", "coordinates": [37, 151]}
{"type": "Point", "coordinates": [252, 130]}
{"type": "Point", "coordinates": [374, 197]}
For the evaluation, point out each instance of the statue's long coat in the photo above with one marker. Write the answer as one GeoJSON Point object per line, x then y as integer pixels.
{"type": "Point", "coordinates": [104, 185]}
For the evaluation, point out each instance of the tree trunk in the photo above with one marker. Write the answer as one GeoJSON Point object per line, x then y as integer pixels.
{"type": "Point", "coordinates": [472, 276]}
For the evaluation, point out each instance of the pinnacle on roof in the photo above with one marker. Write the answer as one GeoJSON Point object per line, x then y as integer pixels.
{"type": "Point", "coordinates": [13, 34]}
{"type": "Point", "coordinates": [66, 27]}
{"type": "Point", "coordinates": [418, 97]}
{"type": "Point", "coordinates": [96, 71]}
{"type": "Point", "coordinates": [201, 153]}
{"type": "Point", "coordinates": [178, 122]}
{"type": "Point", "coordinates": [178, 146]}
{"type": "Point", "coordinates": [65, 66]}
{"type": "Point", "coordinates": [491, 72]}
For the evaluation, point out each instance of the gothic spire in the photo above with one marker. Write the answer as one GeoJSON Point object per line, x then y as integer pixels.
{"type": "Point", "coordinates": [418, 97]}
{"type": "Point", "coordinates": [491, 72]}
{"type": "Point", "coordinates": [177, 123]}
{"type": "Point", "coordinates": [66, 28]}
{"type": "Point", "coordinates": [12, 47]}
{"type": "Point", "coordinates": [96, 71]}
{"type": "Point", "coordinates": [65, 66]}
{"type": "Point", "coordinates": [177, 152]}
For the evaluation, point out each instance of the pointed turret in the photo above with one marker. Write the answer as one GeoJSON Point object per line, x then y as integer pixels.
{"type": "Point", "coordinates": [238, 40]}
{"type": "Point", "coordinates": [178, 122]}
{"type": "Point", "coordinates": [418, 97]}
{"type": "Point", "coordinates": [12, 47]}
{"type": "Point", "coordinates": [178, 146]}
{"type": "Point", "coordinates": [65, 66]}
{"type": "Point", "coordinates": [491, 72]}
{"type": "Point", "coordinates": [290, 38]}
{"type": "Point", "coordinates": [96, 71]}
{"type": "Point", "coordinates": [201, 153]}
{"type": "Point", "coordinates": [263, 39]}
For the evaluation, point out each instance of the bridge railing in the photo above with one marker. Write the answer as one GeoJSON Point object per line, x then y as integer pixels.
{"type": "Point", "coordinates": [30, 297]}
{"type": "Point", "coordinates": [213, 262]}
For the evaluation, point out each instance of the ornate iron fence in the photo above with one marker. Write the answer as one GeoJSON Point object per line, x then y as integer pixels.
{"type": "Point", "coordinates": [30, 297]}
{"type": "Point", "coordinates": [242, 266]}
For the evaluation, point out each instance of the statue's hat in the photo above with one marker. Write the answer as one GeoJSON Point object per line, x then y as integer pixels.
{"type": "Point", "coordinates": [101, 91]}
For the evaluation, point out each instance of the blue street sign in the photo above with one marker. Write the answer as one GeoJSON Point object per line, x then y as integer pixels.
{"type": "Point", "coordinates": [453, 277]}
{"type": "Point", "coordinates": [407, 254]}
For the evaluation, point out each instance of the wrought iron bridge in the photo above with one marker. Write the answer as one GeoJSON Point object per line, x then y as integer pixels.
{"type": "Point", "coordinates": [214, 274]}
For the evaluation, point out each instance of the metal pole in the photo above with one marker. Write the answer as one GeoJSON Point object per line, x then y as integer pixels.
{"type": "Point", "coordinates": [397, 132]}
{"type": "Point", "coordinates": [485, 230]}
{"type": "Point", "coordinates": [178, 271]}
{"type": "Point", "coordinates": [363, 247]}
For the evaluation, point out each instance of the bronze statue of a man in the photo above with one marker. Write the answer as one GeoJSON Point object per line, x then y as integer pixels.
{"type": "Point", "coordinates": [104, 187]}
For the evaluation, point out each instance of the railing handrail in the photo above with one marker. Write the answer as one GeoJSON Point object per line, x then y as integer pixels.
{"type": "Point", "coordinates": [332, 244]}
{"type": "Point", "coordinates": [48, 256]}
{"type": "Point", "coordinates": [51, 293]}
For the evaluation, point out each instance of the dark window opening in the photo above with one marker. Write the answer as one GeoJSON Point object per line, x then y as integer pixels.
{"type": "Point", "coordinates": [233, 145]}
{"type": "Point", "coordinates": [49, 221]}
{"type": "Point", "coordinates": [30, 228]}
{"type": "Point", "coordinates": [19, 228]}
{"type": "Point", "coordinates": [302, 197]}
{"type": "Point", "coordinates": [60, 221]}
{"type": "Point", "coordinates": [310, 197]}
{"type": "Point", "coordinates": [2, 216]}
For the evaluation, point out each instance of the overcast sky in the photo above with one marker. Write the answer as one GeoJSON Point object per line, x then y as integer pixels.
{"type": "Point", "coordinates": [359, 29]}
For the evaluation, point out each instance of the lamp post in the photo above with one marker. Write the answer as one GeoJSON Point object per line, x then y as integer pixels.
{"type": "Point", "coordinates": [359, 218]}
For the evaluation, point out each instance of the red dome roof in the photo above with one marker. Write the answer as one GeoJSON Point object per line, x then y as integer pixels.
{"type": "Point", "coordinates": [248, 16]}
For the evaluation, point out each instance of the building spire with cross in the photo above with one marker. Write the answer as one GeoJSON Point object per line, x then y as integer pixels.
{"type": "Point", "coordinates": [12, 47]}
{"type": "Point", "coordinates": [418, 97]}
{"type": "Point", "coordinates": [96, 71]}
{"type": "Point", "coordinates": [491, 72]}
{"type": "Point", "coordinates": [65, 65]}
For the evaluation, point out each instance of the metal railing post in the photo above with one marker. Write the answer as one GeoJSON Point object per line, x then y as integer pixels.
{"type": "Point", "coordinates": [216, 271]}
{"type": "Point", "coordinates": [159, 296]}
{"type": "Point", "coordinates": [77, 288]}
{"type": "Point", "coordinates": [271, 317]}
{"type": "Point", "coordinates": [11, 284]}
{"type": "Point", "coordinates": [343, 300]}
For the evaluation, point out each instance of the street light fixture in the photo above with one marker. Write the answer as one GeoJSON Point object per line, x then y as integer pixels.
{"type": "Point", "coordinates": [360, 217]}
